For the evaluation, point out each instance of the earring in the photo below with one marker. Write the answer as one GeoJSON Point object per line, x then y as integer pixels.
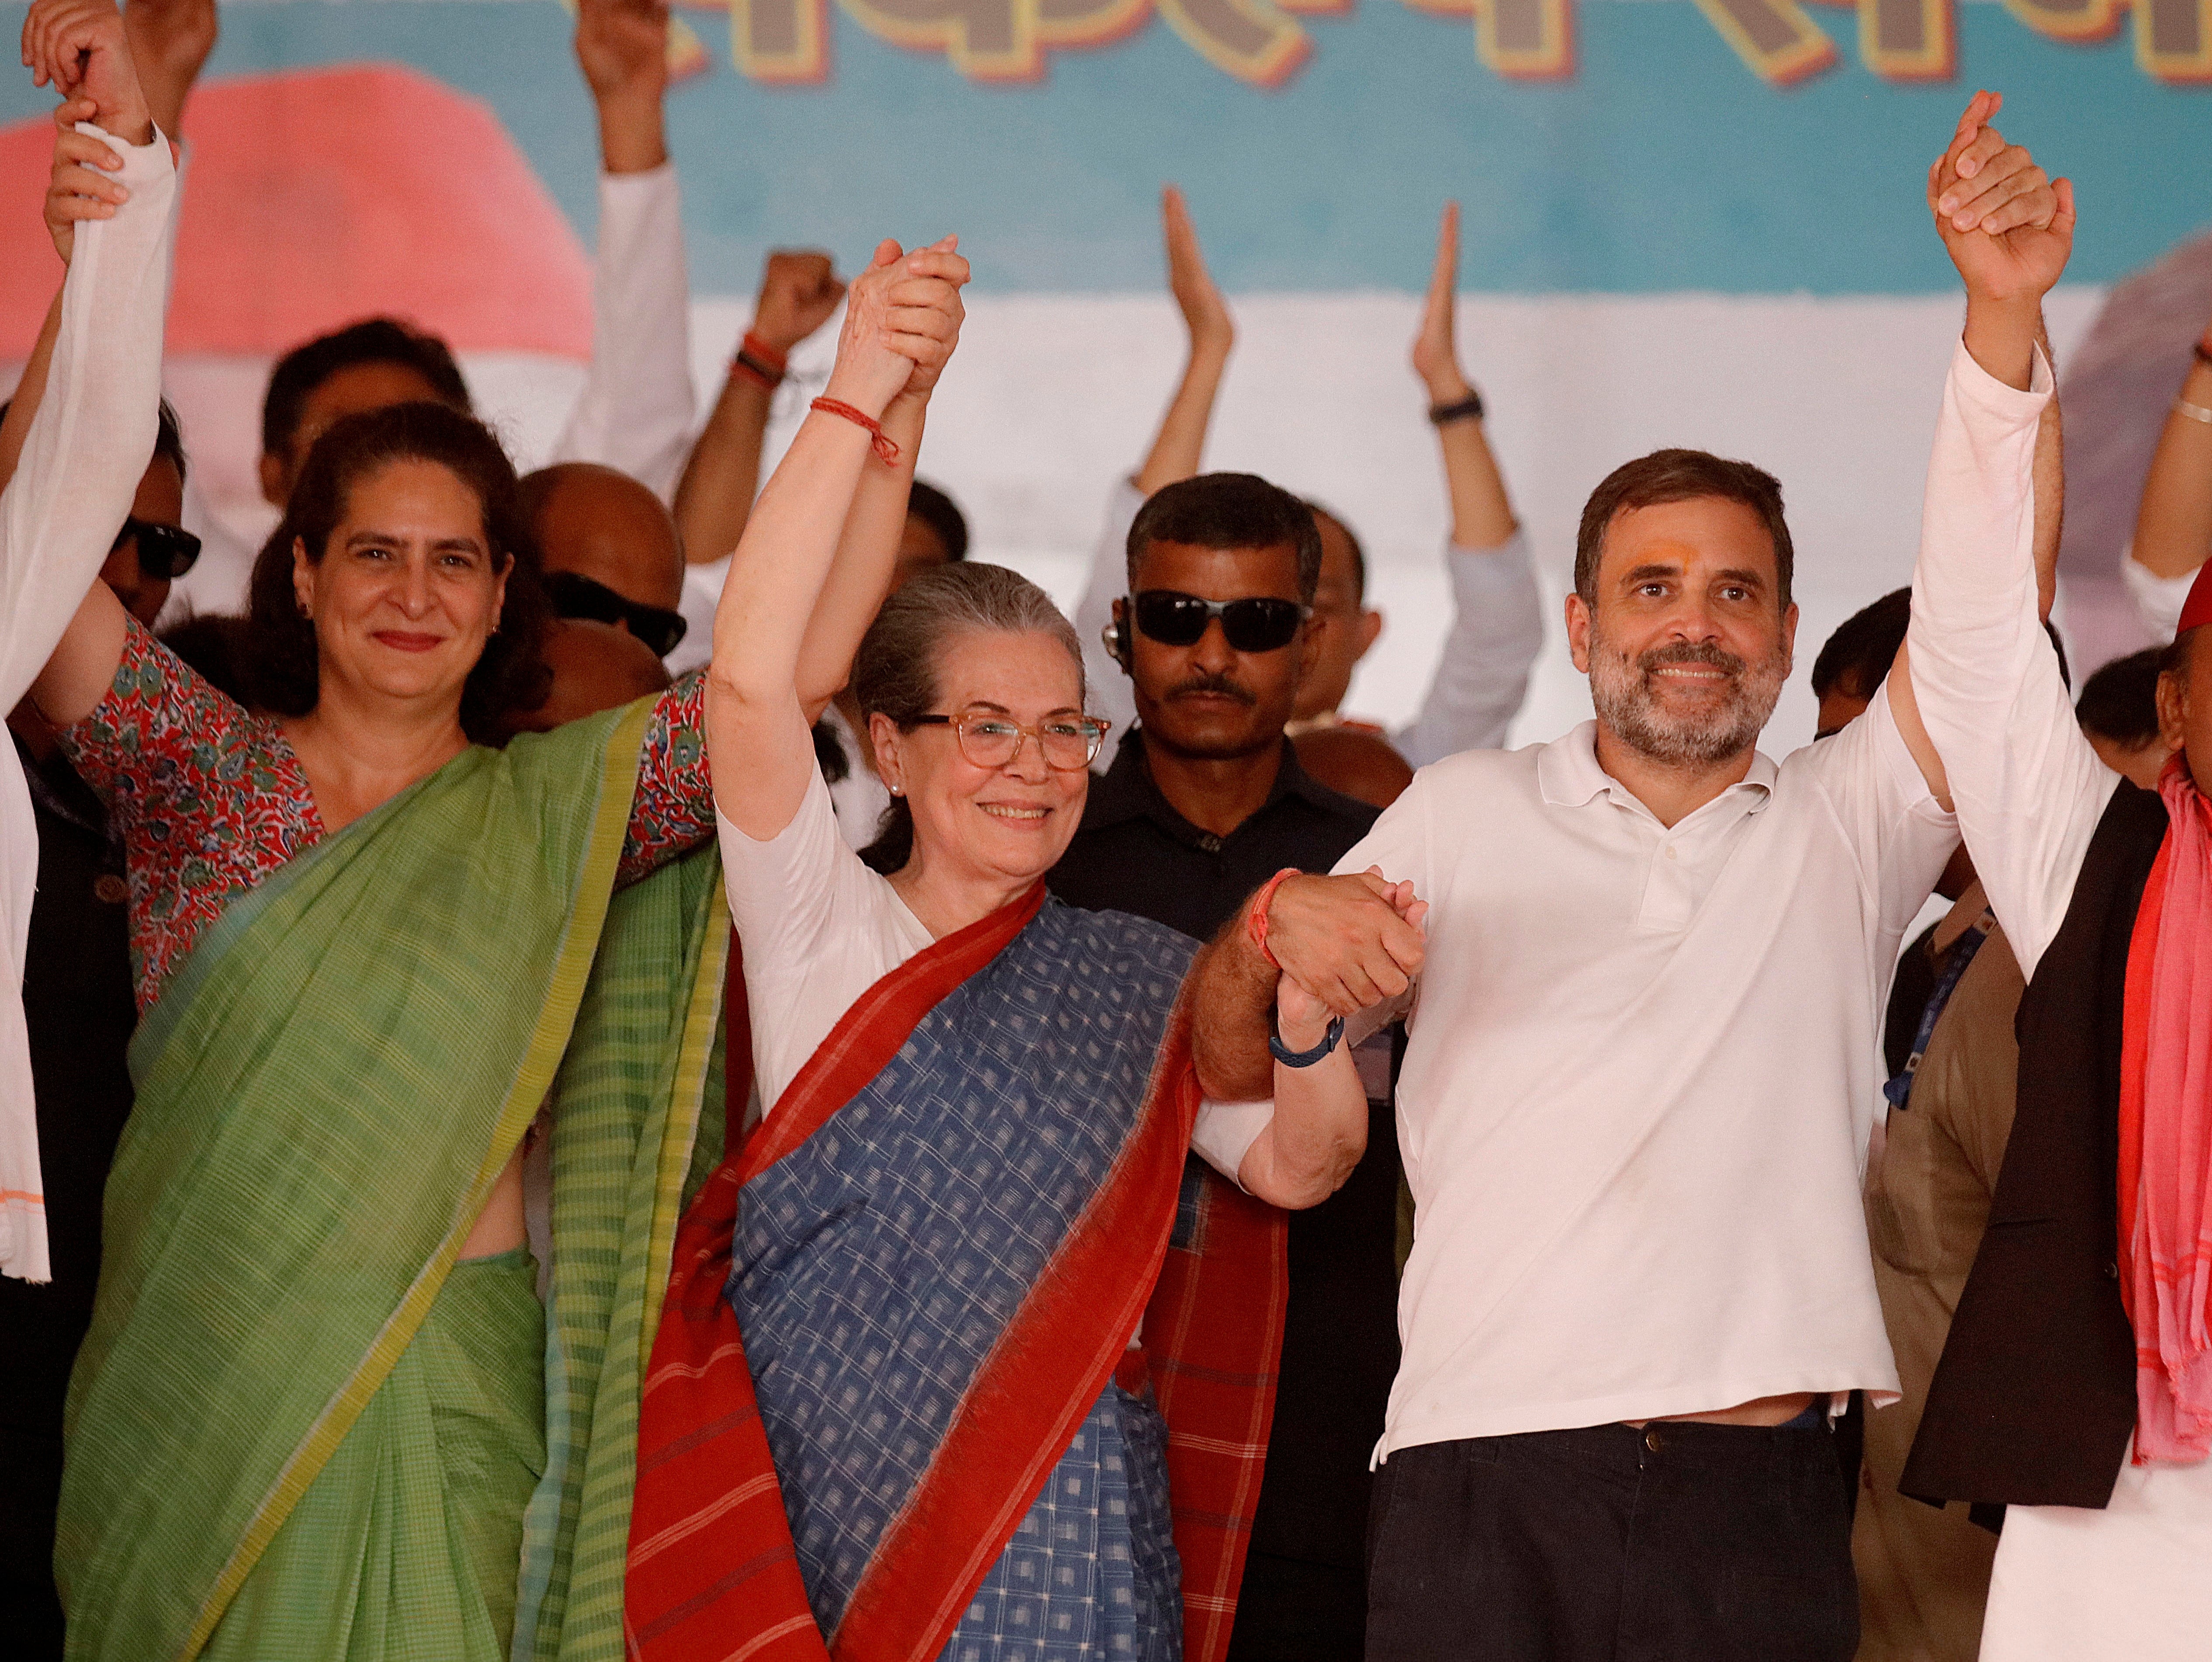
{"type": "Point", "coordinates": [898, 790]}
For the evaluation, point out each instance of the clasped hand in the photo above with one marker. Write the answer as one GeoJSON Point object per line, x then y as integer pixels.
{"type": "Point", "coordinates": [78, 48]}
{"type": "Point", "coordinates": [902, 318]}
{"type": "Point", "coordinates": [1345, 944]}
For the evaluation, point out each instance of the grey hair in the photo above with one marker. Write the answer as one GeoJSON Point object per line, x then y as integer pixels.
{"type": "Point", "coordinates": [895, 672]}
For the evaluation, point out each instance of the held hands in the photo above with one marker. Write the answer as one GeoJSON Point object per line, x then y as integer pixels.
{"type": "Point", "coordinates": [78, 48]}
{"type": "Point", "coordinates": [799, 289]}
{"type": "Point", "coordinates": [1300, 1019]}
{"type": "Point", "coordinates": [1205, 313]}
{"type": "Point", "coordinates": [76, 191]}
{"type": "Point", "coordinates": [1346, 942]}
{"type": "Point", "coordinates": [903, 319]}
{"type": "Point", "coordinates": [1436, 348]}
{"type": "Point", "coordinates": [2007, 226]}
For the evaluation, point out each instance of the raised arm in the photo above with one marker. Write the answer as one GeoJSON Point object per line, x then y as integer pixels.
{"type": "Point", "coordinates": [88, 442]}
{"type": "Point", "coordinates": [800, 289]}
{"type": "Point", "coordinates": [635, 412]}
{"type": "Point", "coordinates": [1319, 1128]}
{"type": "Point", "coordinates": [1498, 617]}
{"type": "Point", "coordinates": [1977, 686]}
{"type": "Point", "coordinates": [2173, 527]}
{"type": "Point", "coordinates": [170, 39]}
{"type": "Point", "coordinates": [1178, 450]}
{"type": "Point", "coordinates": [802, 586]}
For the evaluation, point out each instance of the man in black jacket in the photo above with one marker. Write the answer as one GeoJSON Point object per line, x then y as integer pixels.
{"type": "Point", "coordinates": [2070, 1390]}
{"type": "Point", "coordinates": [1204, 803]}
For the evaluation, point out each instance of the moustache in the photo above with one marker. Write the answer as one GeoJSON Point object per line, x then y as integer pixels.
{"type": "Point", "coordinates": [1692, 652]}
{"type": "Point", "coordinates": [1219, 686]}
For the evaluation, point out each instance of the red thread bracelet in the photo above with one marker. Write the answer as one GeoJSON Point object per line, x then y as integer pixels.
{"type": "Point", "coordinates": [743, 364]}
{"type": "Point", "coordinates": [1255, 920]}
{"type": "Point", "coordinates": [886, 449]}
{"type": "Point", "coordinates": [769, 356]}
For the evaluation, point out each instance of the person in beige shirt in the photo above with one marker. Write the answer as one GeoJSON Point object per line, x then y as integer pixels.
{"type": "Point", "coordinates": [1924, 1573]}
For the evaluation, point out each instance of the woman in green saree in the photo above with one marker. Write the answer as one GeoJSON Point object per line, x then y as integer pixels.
{"type": "Point", "coordinates": [310, 1420]}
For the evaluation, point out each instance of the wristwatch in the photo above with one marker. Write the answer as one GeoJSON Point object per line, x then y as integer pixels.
{"type": "Point", "coordinates": [1290, 1059]}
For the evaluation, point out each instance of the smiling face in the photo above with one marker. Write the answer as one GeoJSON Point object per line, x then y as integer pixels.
{"type": "Point", "coordinates": [408, 589]}
{"type": "Point", "coordinates": [1010, 822]}
{"type": "Point", "coordinates": [1687, 644]}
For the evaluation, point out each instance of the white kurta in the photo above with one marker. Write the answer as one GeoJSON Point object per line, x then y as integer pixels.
{"type": "Point", "coordinates": [2134, 1580]}
{"type": "Point", "coordinates": [81, 461]}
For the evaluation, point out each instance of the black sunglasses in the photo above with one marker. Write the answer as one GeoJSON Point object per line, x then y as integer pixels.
{"type": "Point", "coordinates": [1259, 624]}
{"type": "Point", "coordinates": [576, 596]}
{"type": "Point", "coordinates": [166, 553]}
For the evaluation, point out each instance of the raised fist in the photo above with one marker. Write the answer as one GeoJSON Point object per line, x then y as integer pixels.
{"type": "Point", "coordinates": [799, 289]}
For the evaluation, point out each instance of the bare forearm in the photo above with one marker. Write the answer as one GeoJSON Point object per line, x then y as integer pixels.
{"type": "Point", "coordinates": [2173, 527]}
{"type": "Point", "coordinates": [2050, 485]}
{"type": "Point", "coordinates": [633, 137]}
{"type": "Point", "coordinates": [715, 494]}
{"type": "Point", "coordinates": [783, 560]}
{"type": "Point", "coordinates": [2001, 335]}
{"type": "Point", "coordinates": [1481, 516]}
{"type": "Point", "coordinates": [866, 554]}
{"type": "Point", "coordinates": [1233, 1000]}
{"type": "Point", "coordinates": [1317, 1135]}
{"type": "Point", "coordinates": [1180, 445]}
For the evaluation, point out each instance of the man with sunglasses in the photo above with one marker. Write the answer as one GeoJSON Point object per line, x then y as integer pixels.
{"type": "Point", "coordinates": [610, 550]}
{"type": "Point", "coordinates": [1204, 801]}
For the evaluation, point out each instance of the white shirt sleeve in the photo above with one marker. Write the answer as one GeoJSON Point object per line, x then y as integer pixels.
{"type": "Point", "coordinates": [1901, 837]}
{"type": "Point", "coordinates": [1497, 629]}
{"type": "Point", "coordinates": [635, 410]}
{"type": "Point", "coordinates": [817, 929]}
{"type": "Point", "coordinates": [2028, 789]}
{"type": "Point", "coordinates": [2158, 600]}
{"type": "Point", "coordinates": [94, 433]}
{"type": "Point", "coordinates": [1111, 694]}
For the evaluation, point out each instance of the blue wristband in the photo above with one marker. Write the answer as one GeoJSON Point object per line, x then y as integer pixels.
{"type": "Point", "coordinates": [1290, 1059]}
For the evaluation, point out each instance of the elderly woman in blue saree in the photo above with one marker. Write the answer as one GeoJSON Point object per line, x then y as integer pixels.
{"type": "Point", "coordinates": [952, 1361]}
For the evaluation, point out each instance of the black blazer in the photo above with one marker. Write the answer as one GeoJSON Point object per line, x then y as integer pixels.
{"type": "Point", "coordinates": [2034, 1398]}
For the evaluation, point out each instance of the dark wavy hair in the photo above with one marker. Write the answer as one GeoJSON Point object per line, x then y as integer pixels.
{"type": "Point", "coordinates": [277, 647]}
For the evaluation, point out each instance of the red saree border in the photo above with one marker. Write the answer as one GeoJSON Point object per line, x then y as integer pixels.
{"type": "Point", "coordinates": [712, 1573]}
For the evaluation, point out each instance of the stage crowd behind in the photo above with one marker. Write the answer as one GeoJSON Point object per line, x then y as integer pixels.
{"type": "Point", "coordinates": [918, 1127]}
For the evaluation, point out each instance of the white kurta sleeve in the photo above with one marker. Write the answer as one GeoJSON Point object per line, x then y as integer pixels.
{"type": "Point", "coordinates": [1497, 629]}
{"type": "Point", "coordinates": [635, 410]}
{"type": "Point", "coordinates": [2028, 788]}
{"type": "Point", "coordinates": [2158, 600]}
{"type": "Point", "coordinates": [87, 449]}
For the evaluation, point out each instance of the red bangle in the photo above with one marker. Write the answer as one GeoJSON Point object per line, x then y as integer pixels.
{"type": "Point", "coordinates": [1255, 919]}
{"type": "Point", "coordinates": [745, 364]}
{"type": "Point", "coordinates": [773, 358]}
{"type": "Point", "coordinates": [885, 449]}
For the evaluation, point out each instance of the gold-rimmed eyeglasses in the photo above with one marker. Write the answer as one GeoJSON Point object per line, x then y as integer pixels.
{"type": "Point", "coordinates": [990, 740]}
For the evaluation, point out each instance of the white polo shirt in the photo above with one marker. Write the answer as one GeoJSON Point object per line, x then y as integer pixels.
{"type": "Point", "coordinates": [1641, 1079]}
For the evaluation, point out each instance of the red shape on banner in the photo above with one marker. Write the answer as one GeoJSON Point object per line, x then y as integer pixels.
{"type": "Point", "coordinates": [317, 196]}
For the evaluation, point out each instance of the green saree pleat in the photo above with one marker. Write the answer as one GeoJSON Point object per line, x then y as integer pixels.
{"type": "Point", "coordinates": [297, 1429]}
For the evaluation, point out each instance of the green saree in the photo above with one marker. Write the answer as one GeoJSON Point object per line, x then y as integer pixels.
{"type": "Point", "coordinates": [298, 1428]}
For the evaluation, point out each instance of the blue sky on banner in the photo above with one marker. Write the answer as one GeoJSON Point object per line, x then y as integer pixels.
{"type": "Point", "coordinates": [1611, 146]}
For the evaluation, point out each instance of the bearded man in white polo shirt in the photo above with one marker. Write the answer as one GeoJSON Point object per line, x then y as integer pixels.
{"type": "Point", "coordinates": [1637, 1092]}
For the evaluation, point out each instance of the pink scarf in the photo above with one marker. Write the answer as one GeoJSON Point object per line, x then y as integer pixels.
{"type": "Point", "coordinates": [2165, 1136]}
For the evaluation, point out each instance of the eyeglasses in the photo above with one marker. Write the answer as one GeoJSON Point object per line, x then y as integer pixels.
{"type": "Point", "coordinates": [1070, 743]}
{"type": "Point", "coordinates": [166, 553]}
{"type": "Point", "coordinates": [1259, 624]}
{"type": "Point", "coordinates": [574, 595]}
